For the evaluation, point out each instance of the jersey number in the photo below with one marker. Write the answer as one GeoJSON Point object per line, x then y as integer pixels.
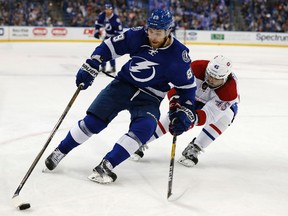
{"type": "Point", "coordinates": [222, 105]}
{"type": "Point", "coordinates": [118, 38]}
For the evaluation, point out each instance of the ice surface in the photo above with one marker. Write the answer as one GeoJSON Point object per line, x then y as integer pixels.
{"type": "Point", "coordinates": [244, 172]}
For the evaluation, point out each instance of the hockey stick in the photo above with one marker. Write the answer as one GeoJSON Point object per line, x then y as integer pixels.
{"type": "Point", "coordinates": [15, 199]}
{"type": "Point", "coordinates": [171, 168]}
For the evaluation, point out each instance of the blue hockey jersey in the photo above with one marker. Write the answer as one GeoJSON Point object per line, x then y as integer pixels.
{"type": "Point", "coordinates": [112, 24]}
{"type": "Point", "coordinates": [153, 70]}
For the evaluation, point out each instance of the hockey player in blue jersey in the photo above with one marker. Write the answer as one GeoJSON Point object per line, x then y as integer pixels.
{"type": "Point", "coordinates": [112, 25]}
{"type": "Point", "coordinates": [157, 60]}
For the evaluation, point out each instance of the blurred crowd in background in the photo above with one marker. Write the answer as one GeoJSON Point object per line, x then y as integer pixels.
{"type": "Point", "coordinates": [228, 15]}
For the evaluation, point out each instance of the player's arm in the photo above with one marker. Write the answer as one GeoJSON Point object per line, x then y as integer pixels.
{"type": "Point", "coordinates": [119, 45]}
{"type": "Point", "coordinates": [90, 69]}
{"type": "Point", "coordinates": [181, 111]}
{"type": "Point", "coordinates": [212, 111]}
{"type": "Point", "coordinates": [225, 97]}
{"type": "Point", "coordinates": [99, 23]}
{"type": "Point", "coordinates": [111, 48]}
{"type": "Point", "coordinates": [118, 27]}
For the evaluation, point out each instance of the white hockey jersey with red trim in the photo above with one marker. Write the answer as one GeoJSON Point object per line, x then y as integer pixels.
{"type": "Point", "coordinates": [216, 100]}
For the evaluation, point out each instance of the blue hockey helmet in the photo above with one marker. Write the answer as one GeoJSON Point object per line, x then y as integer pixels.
{"type": "Point", "coordinates": [108, 6]}
{"type": "Point", "coordinates": [160, 19]}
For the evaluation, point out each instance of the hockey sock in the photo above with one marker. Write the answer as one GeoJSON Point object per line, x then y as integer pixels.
{"type": "Point", "coordinates": [124, 147]}
{"type": "Point", "coordinates": [76, 136]}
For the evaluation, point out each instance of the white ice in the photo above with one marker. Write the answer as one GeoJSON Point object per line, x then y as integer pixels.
{"type": "Point", "coordinates": [244, 172]}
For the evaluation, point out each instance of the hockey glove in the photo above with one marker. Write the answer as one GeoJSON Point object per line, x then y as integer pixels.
{"type": "Point", "coordinates": [87, 73]}
{"type": "Point", "coordinates": [181, 118]}
{"type": "Point", "coordinates": [97, 35]}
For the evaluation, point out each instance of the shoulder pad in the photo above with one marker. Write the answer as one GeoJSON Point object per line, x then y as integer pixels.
{"type": "Point", "coordinates": [228, 91]}
{"type": "Point", "coordinates": [199, 67]}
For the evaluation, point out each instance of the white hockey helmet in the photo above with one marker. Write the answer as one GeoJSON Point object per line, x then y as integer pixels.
{"type": "Point", "coordinates": [219, 67]}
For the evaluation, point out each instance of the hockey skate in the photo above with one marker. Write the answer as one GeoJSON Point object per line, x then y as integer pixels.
{"type": "Point", "coordinates": [190, 154]}
{"type": "Point", "coordinates": [54, 159]}
{"type": "Point", "coordinates": [137, 155]}
{"type": "Point", "coordinates": [112, 71]}
{"type": "Point", "coordinates": [103, 69]}
{"type": "Point", "coordinates": [103, 173]}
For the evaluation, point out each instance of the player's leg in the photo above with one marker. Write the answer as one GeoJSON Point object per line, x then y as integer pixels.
{"type": "Point", "coordinates": [77, 135]}
{"type": "Point", "coordinates": [209, 133]}
{"type": "Point", "coordinates": [103, 67]}
{"type": "Point", "coordinates": [100, 113]}
{"type": "Point", "coordinates": [140, 131]}
{"type": "Point", "coordinates": [142, 126]}
{"type": "Point", "coordinates": [161, 129]}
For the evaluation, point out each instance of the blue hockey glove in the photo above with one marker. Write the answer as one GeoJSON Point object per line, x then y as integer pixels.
{"type": "Point", "coordinates": [181, 118]}
{"type": "Point", "coordinates": [87, 73]}
{"type": "Point", "coordinates": [97, 34]}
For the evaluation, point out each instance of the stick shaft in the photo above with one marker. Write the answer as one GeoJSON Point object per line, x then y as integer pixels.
{"type": "Point", "coordinates": [171, 167]}
{"type": "Point", "coordinates": [28, 173]}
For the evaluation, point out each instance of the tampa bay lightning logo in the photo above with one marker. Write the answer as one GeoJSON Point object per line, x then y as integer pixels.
{"type": "Point", "coordinates": [185, 56]}
{"type": "Point", "coordinates": [108, 26]}
{"type": "Point", "coordinates": [142, 70]}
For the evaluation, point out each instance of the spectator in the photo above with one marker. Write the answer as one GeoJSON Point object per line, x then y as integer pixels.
{"type": "Point", "coordinates": [258, 15]}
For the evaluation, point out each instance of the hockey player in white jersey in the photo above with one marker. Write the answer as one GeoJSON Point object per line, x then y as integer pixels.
{"type": "Point", "coordinates": [156, 60]}
{"type": "Point", "coordinates": [216, 106]}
